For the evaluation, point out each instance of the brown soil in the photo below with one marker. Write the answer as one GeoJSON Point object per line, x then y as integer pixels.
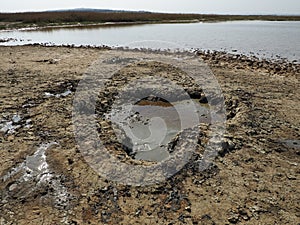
{"type": "Point", "coordinates": [254, 180]}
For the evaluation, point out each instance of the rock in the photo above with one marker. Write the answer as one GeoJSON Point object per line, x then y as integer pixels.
{"type": "Point", "coordinates": [188, 209]}
{"type": "Point", "coordinates": [12, 187]}
{"type": "Point", "coordinates": [234, 219]}
{"type": "Point", "coordinates": [239, 61]}
{"type": "Point", "coordinates": [10, 137]}
{"type": "Point", "coordinates": [203, 100]}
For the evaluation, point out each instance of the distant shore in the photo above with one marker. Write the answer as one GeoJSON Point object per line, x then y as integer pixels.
{"type": "Point", "coordinates": [36, 20]}
{"type": "Point", "coordinates": [78, 25]}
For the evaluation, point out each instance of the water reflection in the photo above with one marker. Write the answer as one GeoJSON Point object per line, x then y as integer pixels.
{"type": "Point", "coordinates": [88, 27]}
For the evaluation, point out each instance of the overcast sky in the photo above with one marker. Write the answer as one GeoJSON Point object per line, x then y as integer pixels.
{"type": "Point", "coordinates": [184, 6]}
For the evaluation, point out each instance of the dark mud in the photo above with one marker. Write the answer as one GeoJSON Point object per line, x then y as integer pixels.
{"type": "Point", "coordinates": [254, 179]}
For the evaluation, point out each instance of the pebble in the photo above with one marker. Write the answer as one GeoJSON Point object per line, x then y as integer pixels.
{"type": "Point", "coordinates": [10, 138]}
{"type": "Point", "coordinates": [12, 187]}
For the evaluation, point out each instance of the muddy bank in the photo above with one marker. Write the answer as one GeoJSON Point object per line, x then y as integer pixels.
{"type": "Point", "coordinates": [46, 180]}
{"type": "Point", "coordinates": [238, 61]}
{"type": "Point", "coordinates": [280, 66]}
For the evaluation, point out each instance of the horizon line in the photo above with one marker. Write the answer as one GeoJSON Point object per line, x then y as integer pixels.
{"type": "Point", "coordinates": [147, 11]}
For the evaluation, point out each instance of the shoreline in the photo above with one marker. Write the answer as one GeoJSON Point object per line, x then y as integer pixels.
{"type": "Point", "coordinates": [88, 25]}
{"type": "Point", "coordinates": [216, 58]}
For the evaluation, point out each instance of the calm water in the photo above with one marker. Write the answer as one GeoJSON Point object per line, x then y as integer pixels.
{"type": "Point", "coordinates": [262, 38]}
{"type": "Point", "coordinates": [152, 127]}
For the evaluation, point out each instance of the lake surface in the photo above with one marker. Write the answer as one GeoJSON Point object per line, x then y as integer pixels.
{"type": "Point", "coordinates": [266, 39]}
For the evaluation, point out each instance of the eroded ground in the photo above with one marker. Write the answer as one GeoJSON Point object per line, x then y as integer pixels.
{"type": "Point", "coordinates": [45, 179]}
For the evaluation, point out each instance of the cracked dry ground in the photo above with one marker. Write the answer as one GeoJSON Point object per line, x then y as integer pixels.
{"type": "Point", "coordinates": [255, 181]}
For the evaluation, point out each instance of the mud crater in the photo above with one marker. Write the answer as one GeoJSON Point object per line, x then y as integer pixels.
{"type": "Point", "coordinates": [154, 117]}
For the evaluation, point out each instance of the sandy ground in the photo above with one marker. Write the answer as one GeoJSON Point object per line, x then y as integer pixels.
{"type": "Point", "coordinates": [255, 180]}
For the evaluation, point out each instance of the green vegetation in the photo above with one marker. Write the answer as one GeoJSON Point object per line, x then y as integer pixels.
{"type": "Point", "coordinates": [17, 20]}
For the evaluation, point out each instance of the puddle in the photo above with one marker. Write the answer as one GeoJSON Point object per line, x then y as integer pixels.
{"type": "Point", "coordinates": [33, 174]}
{"type": "Point", "coordinates": [152, 125]}
{"type": "Point", "coordinates": [34, 166]}
{"type": "Point", "coordinates": [16, 118]}
{"type": "Point", "coordinates": [292, 143]}
{"type": "Point", "coordinates": [117, 60]}
{"type": "Point", "coordinates": [64, 94]}
{"type": "Point", "coordinates": [10, 126]}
